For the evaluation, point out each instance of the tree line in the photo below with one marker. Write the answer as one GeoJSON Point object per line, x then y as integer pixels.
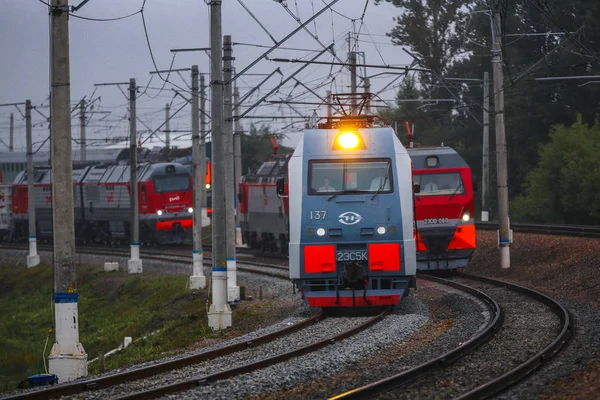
{"type": "Point", "coordinates": [553, 136]}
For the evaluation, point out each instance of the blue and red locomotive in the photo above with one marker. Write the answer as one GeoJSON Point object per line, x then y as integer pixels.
{"type": "Point", "coordinates": [350, 191]}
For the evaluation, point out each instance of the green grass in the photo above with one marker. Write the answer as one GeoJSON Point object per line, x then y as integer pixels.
{"type": "Point", "coordinates": [111, 306]}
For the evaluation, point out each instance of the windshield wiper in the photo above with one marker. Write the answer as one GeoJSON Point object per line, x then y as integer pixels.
{"type": "Point", "coordinates": [380, 188]}
{"type": "Point", "coordinates": [455, 190]}
{"type": "Point", "coordinates": [343, 192]}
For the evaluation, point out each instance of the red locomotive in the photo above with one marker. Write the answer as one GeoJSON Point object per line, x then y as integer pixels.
{"type": "Point", "coordinates": [102, 203]}
{"type": "Point", "coordinates": [444, 214]}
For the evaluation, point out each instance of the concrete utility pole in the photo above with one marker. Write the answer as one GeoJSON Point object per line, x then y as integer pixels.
{"type": "Point", "coordinates": [68, 359]}
{"type": "Point", "coordinates": [503, 222]}
{"type": "Point", "coordinates": [82, 129]}
{"type": "Point", "coordinates": [219, 314]}
{"type": "Point", "coordinates": [33, 258]}
{"type": "Point", "coordinates": [11, 138]}
{"type": "Point", "coordinates": [197, 280]}
{"type": "Point", "coordinates": [237, 154]}
{"type": "Point", "coordinates": [203, 146]}
{"type": "Point", "coordinates": [233, 291]}
{"type": "Point", "coordinates": [134, 265]}
{"type": "Point", "coordinates": [485, 174]}
{"type": "Point", "coordinates": [168, 128]}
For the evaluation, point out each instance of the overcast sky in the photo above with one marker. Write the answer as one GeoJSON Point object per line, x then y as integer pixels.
{"type": "Point", "coordinates": [116, 51]}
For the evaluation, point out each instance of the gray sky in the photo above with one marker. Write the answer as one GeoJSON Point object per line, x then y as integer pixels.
{"type": "Point", "coordinates": [116, 51]}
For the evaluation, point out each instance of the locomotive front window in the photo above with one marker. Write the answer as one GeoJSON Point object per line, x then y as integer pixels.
{"type": "Point", "coordinates": [444, 184]}
{"type": "Point", "coordinates": [172, 183]}
{"type": "Point", "coordinates": [349, 176]}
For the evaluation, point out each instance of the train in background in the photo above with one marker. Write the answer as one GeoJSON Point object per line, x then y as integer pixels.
{"type": "Point", "coordinates": [444, 208]}
{"type": "Point", "coordinates": [264, 216]}
{"type": "Point", "coordinates": [102, 203]}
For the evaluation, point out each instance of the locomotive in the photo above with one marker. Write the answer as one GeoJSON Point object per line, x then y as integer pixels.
{"type": "Point", "coordinates": [444, 213]}
{"type": "Point", "coordinates": [444, 208]}
{"type": "Point", "coordinates": [350, 202]}
{"type": "Point", "coordinates": [101, 197]}
{"type": "Point", "coordinates": [263, 215]}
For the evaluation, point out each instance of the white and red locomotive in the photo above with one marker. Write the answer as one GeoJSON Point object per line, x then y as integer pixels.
{"type": "Point", "coordinates": [101, 197]}
{"type": "Point", "coordinates": [264, 216]}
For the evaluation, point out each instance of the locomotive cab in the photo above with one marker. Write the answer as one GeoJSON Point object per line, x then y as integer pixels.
{"type": "Point", "coordinates": [445, 225]}
{"type": "Point", "coordinates": [351, 217]}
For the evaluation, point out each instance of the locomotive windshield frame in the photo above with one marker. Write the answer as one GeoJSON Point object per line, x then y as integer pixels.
{"type": "Point", "coordinates": [439, 184]}
{"type": "Point", "coordinates": [350, 176]}
{"type": "Point", "coordinates": [171, 181]}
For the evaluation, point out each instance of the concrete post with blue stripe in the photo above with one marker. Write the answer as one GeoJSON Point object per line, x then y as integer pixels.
{"type": "Point", "coordinates": [233, 290]}
{"type": "Point", "coordinates": [197, 280]}
{"type": "Point", "coordinates": [33, 258]}
{"type": "Point", "coordinates": [219, 314]}
{"type": "Point", "coordinates": [67, 360]}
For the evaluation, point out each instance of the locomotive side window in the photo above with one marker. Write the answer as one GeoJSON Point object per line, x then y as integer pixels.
{"type": "Point", "coordinates": [172, 183]}
{"type": "Point", "coordinates": [444, 184]}
{"type": "Point", "coordinates": [350, 176]}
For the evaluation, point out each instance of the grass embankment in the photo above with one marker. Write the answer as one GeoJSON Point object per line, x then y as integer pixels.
{"type": "Point", "coordinates": [111, 306]}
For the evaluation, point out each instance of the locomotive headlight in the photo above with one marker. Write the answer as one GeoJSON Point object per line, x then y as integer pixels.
{"type": "Point", "coordinates": [348, 140]}
{"type": "Point", "coordinates": [190, 210]}
{"type": "Point", "coordinates": [208, 185]}
{"type": "Point", "coordinates": [321, 232]}
{"type": "Point", "coordinates": [392, 230]}
{"type": "Point", "coordinates": [381, 230]}
{"type": "Point", "coordinates": [159, 213]}
{"type": "Point", "coordinates": [310, 232]}
{"type": "Point", "coordinates": [466, 216]}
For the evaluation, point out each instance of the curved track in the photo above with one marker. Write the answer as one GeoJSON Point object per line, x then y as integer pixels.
{"type": "Point", "coordinates": [115, 379]}
{"type": "Point", "coordinates": [495, 385]}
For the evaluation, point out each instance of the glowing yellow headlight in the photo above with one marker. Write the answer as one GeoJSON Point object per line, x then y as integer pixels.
{"type": "Point", "coordinates": [348, 140]}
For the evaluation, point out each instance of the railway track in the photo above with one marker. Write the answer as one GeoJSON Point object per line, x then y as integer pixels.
{"type": "Point", "coordinates": [547, 229]}
{"type": "Point", "coordinates": [382, 387]}
{"type": "Point", "coordinates": [389, 387]}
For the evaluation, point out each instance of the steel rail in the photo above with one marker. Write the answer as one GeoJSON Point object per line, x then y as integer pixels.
{"type": "Point", "coordinates": [207, 379]}
{"type": "Point", "coordinates": [546, 354]}
{"type": "Point", "coordinates": [591, 231]}
{"type": "Point", "coordinates": [145, 372]}
{"type": "Point", "coordinates": [500, 383]}
{"type": "Point", "coordinates": [111, 380]}
{"type": "Point", "coordinates": [441, 361]}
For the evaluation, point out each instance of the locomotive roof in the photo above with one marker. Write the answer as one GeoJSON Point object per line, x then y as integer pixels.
{"type": "Point", "coordinates": [107, 173]}
{"type": "Point", "coordinates": [93, 154]}
{"type": "Point", "coordinates": [447, 156]}
{"type": "Point", "coordinates": [378, 141]}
